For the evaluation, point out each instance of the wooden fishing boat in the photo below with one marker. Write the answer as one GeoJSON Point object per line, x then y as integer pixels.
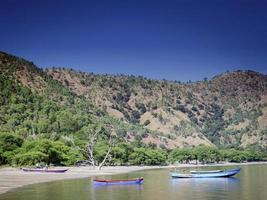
{"type": "Point", "coordinates": [44, 170]}
{"type": "Point", "coordinates": [207, 174]}
{"type": "Point", "coordinates": [127, 181]}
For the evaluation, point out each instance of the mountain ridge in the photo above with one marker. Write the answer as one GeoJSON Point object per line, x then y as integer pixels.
{"type": "Point", "coordinates": [228, 110]}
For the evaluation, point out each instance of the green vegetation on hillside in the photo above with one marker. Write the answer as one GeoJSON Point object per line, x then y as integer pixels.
{"type": "Point", "coordinates": [211, 107]}
{"type": "Point", "coordinates": [45, 117]}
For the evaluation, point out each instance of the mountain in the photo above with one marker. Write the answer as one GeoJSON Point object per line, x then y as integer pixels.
{"type": "Point", "coordinates": [230, 110]}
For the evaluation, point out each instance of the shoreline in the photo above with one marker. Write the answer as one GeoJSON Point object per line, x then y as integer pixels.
{"type": "Point", "coordinates": [11, 178]}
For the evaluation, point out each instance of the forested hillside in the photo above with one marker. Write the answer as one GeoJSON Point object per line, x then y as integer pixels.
{"type": "Point", "coordinates": [229, 110]}
{"type": "Point", "coordinates": [48, 115]}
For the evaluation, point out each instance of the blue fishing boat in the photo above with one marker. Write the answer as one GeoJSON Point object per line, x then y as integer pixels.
{"type": "Point", "coordinates": [207, 174]}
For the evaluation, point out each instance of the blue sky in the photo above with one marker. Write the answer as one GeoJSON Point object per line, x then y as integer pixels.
{"type": "Point", "coordinates": [176, 40]}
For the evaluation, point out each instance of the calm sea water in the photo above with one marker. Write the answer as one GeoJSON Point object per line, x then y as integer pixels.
{"type": "Point", "coordinates": [250, 184]}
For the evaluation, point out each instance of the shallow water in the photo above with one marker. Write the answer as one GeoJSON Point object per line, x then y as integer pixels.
{"type": "Point", "coordinates": [250, 184]}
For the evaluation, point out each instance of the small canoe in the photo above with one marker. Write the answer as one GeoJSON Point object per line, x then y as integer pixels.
{"type": "Point", "coordinates": [207, 174]}
{"type": "Point", "coordinates": [127, 181]}
{"type": "Point", "coordinates": [44, 170]}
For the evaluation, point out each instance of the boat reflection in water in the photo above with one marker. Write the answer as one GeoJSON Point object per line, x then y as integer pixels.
{"type": "Point", "coordinates": [207, 184]}
{"type": "Point", "coordinates": [115, 191]}
{"type": "Point", "coordinates": [118, 186]}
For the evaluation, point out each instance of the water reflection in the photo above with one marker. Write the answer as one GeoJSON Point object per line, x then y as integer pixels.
{"type": "Point", "coordinates": [207, 184]}
{"type": "Point", "coordinates": [117, 186]}
{"type": "Point", "coordinates": [115, 191]}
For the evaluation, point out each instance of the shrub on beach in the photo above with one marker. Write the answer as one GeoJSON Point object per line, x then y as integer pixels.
{"type": "Point", "coordinates": [30, 158]}
{"type": "Point", "coordinates": [43, 151]}
{"type": "Point", "coordinates": [8, 143]}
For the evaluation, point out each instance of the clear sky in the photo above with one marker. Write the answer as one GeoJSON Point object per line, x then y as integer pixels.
{"type": "Point", "coordinates": [176, 40]}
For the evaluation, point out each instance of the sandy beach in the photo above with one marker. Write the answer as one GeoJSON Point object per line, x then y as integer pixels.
{"type": "Point", "coordinates": [11, 178]}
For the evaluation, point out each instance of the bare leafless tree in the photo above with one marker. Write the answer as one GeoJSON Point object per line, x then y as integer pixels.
{"type": "Point", "coordinates": [111, 143]}
{"type": "Point", "coordinates": [93, 135]}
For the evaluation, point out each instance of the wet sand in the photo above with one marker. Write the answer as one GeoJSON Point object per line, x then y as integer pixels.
{"type": "Point", "coordinates": [11, 178]}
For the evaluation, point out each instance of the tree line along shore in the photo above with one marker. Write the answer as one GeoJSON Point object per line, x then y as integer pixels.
{"type": "Point", "coordinates": [14, 151]}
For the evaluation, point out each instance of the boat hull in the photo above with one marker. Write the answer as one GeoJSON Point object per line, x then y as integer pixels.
{"type": "Point", "coordinates": [111, 182]}
{"type": "Point", "coordinates": [221, 174]}
{"type": "Point", "coordinates": [45, 170]}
